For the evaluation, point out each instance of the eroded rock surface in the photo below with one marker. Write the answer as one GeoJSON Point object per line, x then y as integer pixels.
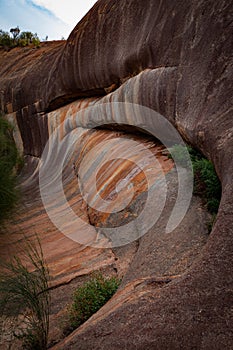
{"type": "Point", "coordinates": [174, 57]}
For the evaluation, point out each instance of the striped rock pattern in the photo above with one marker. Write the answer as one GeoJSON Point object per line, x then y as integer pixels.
{"type": "Point", "coordinates": [175, 58]}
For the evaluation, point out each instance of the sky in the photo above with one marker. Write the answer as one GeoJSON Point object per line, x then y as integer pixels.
{"type": "Point", "coordinates": [52, 18]}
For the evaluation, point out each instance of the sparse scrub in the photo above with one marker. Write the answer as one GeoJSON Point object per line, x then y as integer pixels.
{"type": "Point", "coordinates": [90, 297]}
{"type": "Point", "coordinates": [18, 39]}
{"type": "Point", "coordinates": [25, 297]}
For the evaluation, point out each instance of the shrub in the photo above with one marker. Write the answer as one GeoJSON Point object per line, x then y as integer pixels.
{"type": "Point", "coordinates": [206, 182]}
{"type": "Point", "coordinates": [5, 39]}
{"type": "Point", "coordinates": [25, 297]}
{"type": "Point", "coordinates": [36, 41]}
{"type": "Point", "coordinates": [90, 297]}
{"type": "Point", "coordinates": [9, 160]}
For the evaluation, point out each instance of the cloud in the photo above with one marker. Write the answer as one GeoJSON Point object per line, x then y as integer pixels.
{"type": "Point", "coordinates": [69, 11]}
{"type": "Point", "coordinates": [39, 8]}
{"type": "Point", "coordinates": [44, 17]}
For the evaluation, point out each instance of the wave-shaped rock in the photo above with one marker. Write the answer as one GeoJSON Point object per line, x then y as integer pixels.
{"type": "Point", "coordinates": [175, 58]}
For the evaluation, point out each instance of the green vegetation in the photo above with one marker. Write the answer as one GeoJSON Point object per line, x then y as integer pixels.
{"type": "Point", "coordinates": [90, 297]}
{"type": "Point", "coordinates": [9, 164]}
{"type": "Point", "coordinates": [25, 298]}
{"type": "Point", "coordinates": [15, 38]}
{"type": "Point", "coordinates": [27, 38]}
{"type": "Point", "coordinates": [206, 182]}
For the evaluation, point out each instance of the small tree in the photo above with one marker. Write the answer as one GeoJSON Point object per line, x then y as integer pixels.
{"type": "Point", "coordinates": [15, 33]}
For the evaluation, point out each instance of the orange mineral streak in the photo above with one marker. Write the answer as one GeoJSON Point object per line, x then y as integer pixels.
{"type": "Point", "coordinates": [57, 117]}
{"type": "Point", "coordinates": [68, 259]}
{"type": "Point", "coordinates": [110, 175]}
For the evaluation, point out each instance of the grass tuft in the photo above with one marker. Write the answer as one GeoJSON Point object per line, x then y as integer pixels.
{"type": "Point", "coordinates": [25, 296]}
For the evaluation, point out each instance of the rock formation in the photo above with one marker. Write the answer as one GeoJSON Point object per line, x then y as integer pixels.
{"type": "Point", "coordinates": [175, 58]}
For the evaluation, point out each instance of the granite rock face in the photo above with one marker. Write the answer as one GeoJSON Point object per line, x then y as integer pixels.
{"type": "Point", "coordinates": [118, 40]}
{"type": "Point", "coordinates": [176, 58]}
